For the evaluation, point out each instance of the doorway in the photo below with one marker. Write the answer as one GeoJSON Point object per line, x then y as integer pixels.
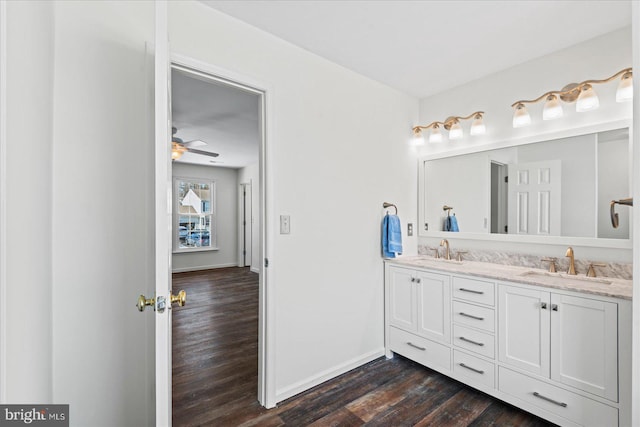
{"type": "Point", "coordinates": [219, 134]}
{"type": "Point", "coordinates": [499, 197]}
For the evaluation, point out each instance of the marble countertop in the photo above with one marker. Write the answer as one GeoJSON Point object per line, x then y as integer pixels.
{"type": "Point", "coordinates": [606, 286]}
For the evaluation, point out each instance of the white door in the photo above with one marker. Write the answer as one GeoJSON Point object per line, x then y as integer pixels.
{"type": "Point", "coordinates": [584, 344]}
{"type": "Point", "coordinates": [523, 325]}
{"type": "Point", "coordinates": [535, 197]}
{"type": "Point", "coordinates": [433, 296]}
{"type": "Point", "coordinates": [163, 195]}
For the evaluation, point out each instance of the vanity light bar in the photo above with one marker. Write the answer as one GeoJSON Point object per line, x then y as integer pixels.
{"type": "Point", "coordinates": [452, 124]}
{"type": "Point", "coordinates": [583, 93]}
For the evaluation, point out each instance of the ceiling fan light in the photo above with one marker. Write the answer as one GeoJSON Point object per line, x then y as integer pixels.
{"type": "Point", "coordinates": [477, 126]}
{"type": "Point", "coordinates": [521, 116]}
{"type": "Point", "coordinates": [175, 154]}
{"type": "Point", "coordinates": [177, 150]}
{"type": "Point", "coordinates": [552, 108]}
{"type": "Point", "coordinates": [588, 100]}
{"type": "Point", "coordinates": [625, 88]}
{"type": "Point", "coordinates": [436, 135]}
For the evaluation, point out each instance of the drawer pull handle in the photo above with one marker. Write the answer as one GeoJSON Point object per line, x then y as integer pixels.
{"type": "Point", "coordinates": [481, 344]}
{"type": "Point", "coordinates": [554, 307]}
{"type": "Point", "coordinates": [548, 399]}
{"type": "Point", "coordinates": [471, 369]}
{"type": "Point", "coordinates": [471, 291]}
{"type": "Point", "coordinates": [471, 316]}
{"type": "Point", "coordinates": [416, 346]}
{"type": "Point", "coordinates": [543, 305]}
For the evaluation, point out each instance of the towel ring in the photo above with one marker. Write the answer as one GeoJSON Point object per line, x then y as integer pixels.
{"type": "Point", "coordinates": [388, 205]}
{"type": "Point", "coordinates": [614, 216]}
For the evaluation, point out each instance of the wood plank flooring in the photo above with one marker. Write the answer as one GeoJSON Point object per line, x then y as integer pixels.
{"type": "Point", "coordinates": [215, 374]}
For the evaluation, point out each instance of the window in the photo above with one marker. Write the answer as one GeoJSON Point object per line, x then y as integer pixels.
{"type": "Point", "coordinates": [194, 215]}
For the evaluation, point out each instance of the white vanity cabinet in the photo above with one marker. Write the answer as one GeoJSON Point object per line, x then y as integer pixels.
{"type": "Point", "coordinates": [420, 302]}
{"type": "Point", "coordinates": [561, 354]}
{"type": "Point", "coordinates": [572, 340]}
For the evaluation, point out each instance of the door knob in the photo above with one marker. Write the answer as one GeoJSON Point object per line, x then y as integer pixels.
{"type": "Point", "coordinates": [181, 298]}
{"type": "Point", "coordinates": [143, 302]}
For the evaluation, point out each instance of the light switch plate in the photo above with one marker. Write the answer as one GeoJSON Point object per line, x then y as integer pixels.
{"type": "Point", "coordinates": [285, 224]}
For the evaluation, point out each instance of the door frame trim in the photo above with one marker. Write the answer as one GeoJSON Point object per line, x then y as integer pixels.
{"type": "Point", "coordinates": [243, 260]}
{"type": "Point", "coordinates": [266, 315]}
{"type": "Point", "coordinates": [3, 201]}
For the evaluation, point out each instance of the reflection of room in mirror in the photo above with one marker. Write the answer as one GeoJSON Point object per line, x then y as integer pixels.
{"type": "Point", "coordinates": [560, 187]}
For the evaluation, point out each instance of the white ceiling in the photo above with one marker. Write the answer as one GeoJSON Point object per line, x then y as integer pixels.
{"type": "Point", "coordinates": [225, 117]}
{"type": "Point", "coordinates": [418, 47]}
{"type": "Point", "coordinates": [425, 47]}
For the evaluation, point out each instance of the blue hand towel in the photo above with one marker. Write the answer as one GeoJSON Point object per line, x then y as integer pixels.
{"type": "Point", "coordinates": [391, 236]}
{"type": "Point", "coordinates": [453, 222]}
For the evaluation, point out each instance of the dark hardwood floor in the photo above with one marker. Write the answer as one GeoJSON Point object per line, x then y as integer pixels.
{"type": "Point", "coordinates": [215, 374]}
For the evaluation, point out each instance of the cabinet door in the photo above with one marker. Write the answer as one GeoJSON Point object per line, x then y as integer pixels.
{"type": "Point", "coordinates": [433, 293]}
{"type": "Point", "coordinates": [402, 307]}
{"type": "Point", "coordinates": [584, 343]}
{"type": "Point", "coordinates": [523, 325]}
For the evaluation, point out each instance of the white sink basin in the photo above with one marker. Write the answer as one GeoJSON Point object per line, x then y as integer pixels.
{"type": "Point", "coordinates": [566, 277]}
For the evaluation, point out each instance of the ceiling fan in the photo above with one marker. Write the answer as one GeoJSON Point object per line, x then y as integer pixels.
{"type": "Point", "coordinates": [179, 147]}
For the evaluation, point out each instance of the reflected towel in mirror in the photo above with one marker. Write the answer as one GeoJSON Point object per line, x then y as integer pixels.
{"type": "Point", "coordinates": [451, 223]}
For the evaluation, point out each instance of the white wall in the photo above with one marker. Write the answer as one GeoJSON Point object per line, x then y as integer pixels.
{"type": "Point", "coordinates": [337, 150]}
{"type": "Point", "coordinates": [28, 201]}
{"type": "Point", "coordinates": [226, 219]}
{"type": "Point", "coordinates": [463, 183]}
{"type": "Point", "coordinates": [595, 59]}
{"type": "Point", "coordinates": [102, 212]}
{"type": "Point", "coordinates": [251, 175]}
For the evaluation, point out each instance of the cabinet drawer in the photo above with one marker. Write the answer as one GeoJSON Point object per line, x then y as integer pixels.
{"type": "Point", "coordinates": [474, 290]}
{"type": "Point", "coordinates": [472, 315]}
{"type": "Point", "coordinates": [566, 404]}
{"type": "Point", "coordinates": [474, 368]}
{"type": "Point", "coordinates": [476, 341]}
{"type": "Point", "coordinates": [419, 349]}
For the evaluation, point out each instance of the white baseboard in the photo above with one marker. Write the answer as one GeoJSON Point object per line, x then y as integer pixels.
{"type": "Point", "coordinates": [326, 375]}
{"type": "Point", "coordinates": [202, 267]}
{"type": "Point", "coordinates": [255, 270]}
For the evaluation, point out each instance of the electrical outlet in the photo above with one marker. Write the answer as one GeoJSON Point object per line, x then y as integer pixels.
{"type": "Point", "coordinates": [285, 224]}
{"type": "Point", "coordinates": [426, 226]}
{"type": "Point", "coordinates": [409, 229]}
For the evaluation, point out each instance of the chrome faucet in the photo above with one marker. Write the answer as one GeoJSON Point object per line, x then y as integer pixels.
{"type": "Point", "coordinates": [572, 265]}
{"type": "Point", "coordinates": [445, 243]}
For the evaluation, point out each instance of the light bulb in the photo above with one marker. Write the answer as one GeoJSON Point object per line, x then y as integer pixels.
{"type": "Point", "coordinates": [625, 88]}
{"type": "Point", "coordinates": [477, 126]}
{"type": "Point", "coordinates": [521, 116]}
{"type": "Point", "coordinates": [552, 108]}
{"type": "Point", "coordinates": [455, 131]}
{"type": "Point", "coordinates": [436, 135]}
{"type": "Point", "coordinates": [418, 138]}
{"type": "Point", "coordinates": [588, 100]}
{"type": "Point", "coordinates": [177, 150]}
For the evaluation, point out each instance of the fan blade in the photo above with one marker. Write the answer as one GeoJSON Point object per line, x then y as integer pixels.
{"type": "Point", "coordinates": [195, 143]}
{"type": "Point", "coordinates": [204, 153]}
